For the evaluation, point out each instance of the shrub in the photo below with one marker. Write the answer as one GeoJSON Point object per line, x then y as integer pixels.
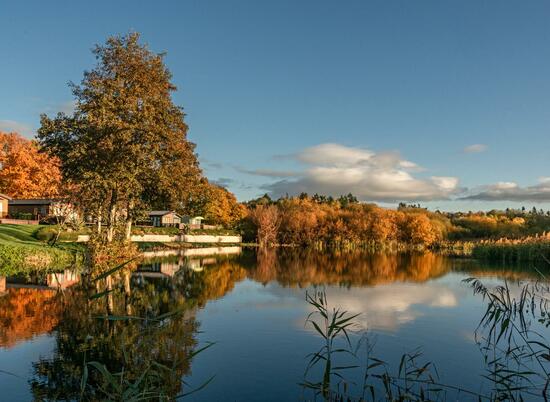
{"type": "Point", "coordinates": [23, 215]}
{"type": "Point", "coordinates": [48, 233]}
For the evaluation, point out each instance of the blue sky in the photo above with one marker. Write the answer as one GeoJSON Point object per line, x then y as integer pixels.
{"type": "Point", "coordinates": [378, 97]}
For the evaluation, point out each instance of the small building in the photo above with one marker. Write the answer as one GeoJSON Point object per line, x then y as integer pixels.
{"type": "Point", "coordinates": [39, 208]}
{"type": "Point", "coordinates": [194, 222]}
{"type": "Point", "coordinates": [165, 218]}
{"type": "Point", "coordinates": [4, 200]}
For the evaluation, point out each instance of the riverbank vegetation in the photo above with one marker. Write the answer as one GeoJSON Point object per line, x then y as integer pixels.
{"type": "Point", "coordinates": [321, 222]}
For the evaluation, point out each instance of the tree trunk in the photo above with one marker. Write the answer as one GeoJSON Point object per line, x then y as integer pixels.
{"type": "Point", "coordinates": [111, 227]}
{"type": "Point", "coordinates": [112, 219]}
{"type": "Point", "coordinates": [129, 220]}
{"type": "Point", "coordinates": [127, 292]}
{"type": "Point", "coordinates": [110, 300]}
{"type": "Point", "coordinates": [128, 229]}
{"type": "Point", "coordinates": [99, 220]}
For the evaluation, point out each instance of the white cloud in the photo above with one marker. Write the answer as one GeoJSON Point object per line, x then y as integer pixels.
{"type": "Point", "coordinates": [449, 183]}
{"type": "Point", "coordinates": [387, 307]}
{"type": "Point", "coordinates": [334, 154]}
{"type": "Point", "coordinates": [11, 126]}
{"type": "Point", "coordinates": [267, 172]}
{"type": "Point", "coordinates": [335, 169]}
{"type": "Point", "coordinates": [510, 191]}
{"type": "Point", "coordinates": [475, 148]}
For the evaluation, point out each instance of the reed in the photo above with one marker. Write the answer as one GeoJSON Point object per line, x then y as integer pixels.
{"type": "Point", "coordinates": [517, 355]}
{"type": "Point", "coordinates": [415, 379]}
{"type": "Point", "coordinates": [527, 249]}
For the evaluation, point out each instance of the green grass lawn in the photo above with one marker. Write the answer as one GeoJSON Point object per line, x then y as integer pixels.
{"type": "Point", "coordinates": [19, 234]}
{"type": "Point", "coordinates": [21, 251]}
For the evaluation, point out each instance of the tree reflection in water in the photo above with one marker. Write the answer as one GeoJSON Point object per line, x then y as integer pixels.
{"type": "Point", "coordinates": [140, 326]}
{"type": "Point", "coordinates": [26, 312]}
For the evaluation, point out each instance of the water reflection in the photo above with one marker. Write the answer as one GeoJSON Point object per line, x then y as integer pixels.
{"type": "Point", "coordinates": [306, 267]}
{"type": "Point", "coordinates": [386, 289]}
{"type": "Point", "coordinates": [83, 334]}
{"type": "Point", "coordinates": [26, 313]}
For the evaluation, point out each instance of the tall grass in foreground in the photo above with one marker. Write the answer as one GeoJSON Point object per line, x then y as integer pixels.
{"type": "Point", "coordinates": [334, 324]}
{"type": "Point", "coordinates": [517, 357]}
{"type": "Point", "coordinates": [415, 379]}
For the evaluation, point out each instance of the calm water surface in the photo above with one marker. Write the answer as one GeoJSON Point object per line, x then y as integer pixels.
{"type": "Point", "coordinates": [252, 305]}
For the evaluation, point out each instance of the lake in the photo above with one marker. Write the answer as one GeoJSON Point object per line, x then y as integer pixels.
{"type": "Point", "coordinates": [252, 307]}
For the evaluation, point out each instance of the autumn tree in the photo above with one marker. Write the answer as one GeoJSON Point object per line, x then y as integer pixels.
{"type": "Point", "coordinates": [126, 142]}
{"type": "Point", "coordinates": [26, 172]}
{"type": "Point", "coordinates": [418, 229]}
{"type": "Point", "coordinates": [382, 225]}
{"type": "Point", "coordinates": [222, 207]}
{"type": "Point", "coordinates": [267, 221]}
{"type": "Point", "coordinates": [215, 203]}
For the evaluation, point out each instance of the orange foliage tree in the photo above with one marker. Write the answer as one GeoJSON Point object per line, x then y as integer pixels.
{"type": "Point", "coordinates": [25, 171]}
{"type": "Point", "coordinates": [267, 220]}
{"type": "Point", "coordinates": [306, 220]}
{"type": "Point", "coordinates": [222, 207]}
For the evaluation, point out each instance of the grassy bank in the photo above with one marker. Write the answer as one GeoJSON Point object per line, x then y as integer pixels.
{"type": "Point", "coordinates": [21, 250]}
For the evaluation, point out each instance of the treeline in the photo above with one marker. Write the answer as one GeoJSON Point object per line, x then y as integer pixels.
{"type": "Point", "coordinates": [307, 221]}
{"type": "Point", "coordinates": [325, 221]}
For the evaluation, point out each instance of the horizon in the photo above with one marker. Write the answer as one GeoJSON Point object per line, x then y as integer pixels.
{"type": "Point", "coordinates": [436, 103]}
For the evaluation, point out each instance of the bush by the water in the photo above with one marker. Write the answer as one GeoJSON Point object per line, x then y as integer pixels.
{"type": "Point", "coordinates": [47, 233]}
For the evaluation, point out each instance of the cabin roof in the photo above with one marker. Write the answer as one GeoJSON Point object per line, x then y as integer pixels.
{"type": "Point", "coordinates": [162, 213]}
{"type": "Point", "coordinates": [32, 201]}
{"type": "Point", "coordinates": [4, 196]}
